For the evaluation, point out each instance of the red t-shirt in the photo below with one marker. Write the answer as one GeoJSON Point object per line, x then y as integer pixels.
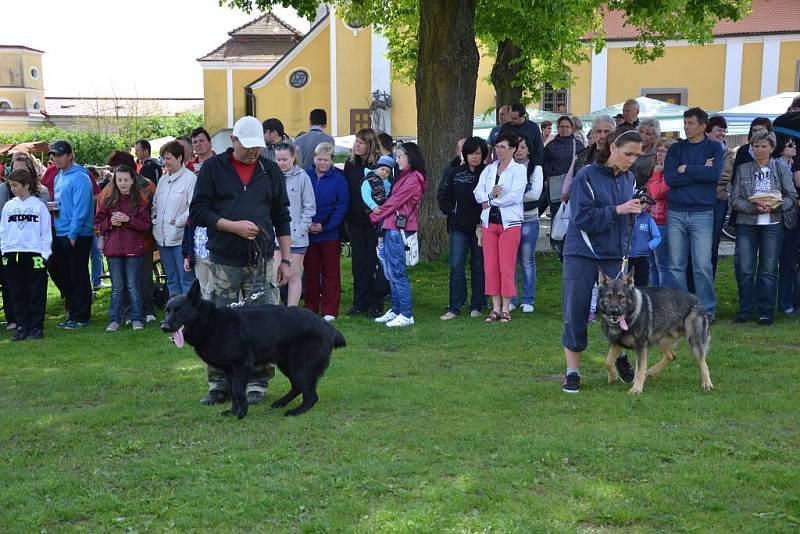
{"type": "Point", "coordinates": [244, 170]}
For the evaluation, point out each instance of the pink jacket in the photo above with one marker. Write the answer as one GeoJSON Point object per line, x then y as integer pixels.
{"type": "Point", "coordinates": [405, 197]}
{"type": "Point", "coordinates": [658, 190]}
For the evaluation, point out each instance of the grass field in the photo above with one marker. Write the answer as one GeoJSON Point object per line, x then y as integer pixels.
{"type": "Point", "coordinates": [441, 427]}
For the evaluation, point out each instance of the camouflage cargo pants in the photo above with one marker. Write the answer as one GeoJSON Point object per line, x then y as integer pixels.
{"type": "Point", "coordinates": [254, 285]}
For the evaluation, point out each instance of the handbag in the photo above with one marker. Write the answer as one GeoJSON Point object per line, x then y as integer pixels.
{"type": "Point", "coordinates": [412, 248]}
{"type": "Point", "coordinates": [558, 230]}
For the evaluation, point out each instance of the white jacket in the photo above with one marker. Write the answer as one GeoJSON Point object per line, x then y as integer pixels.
{"type": "Point", "coordinates": [513, 180]}
{"type": "Point", "coordinates": [25, 227]}
{"type": "Point", "coordinates": [171, 206]}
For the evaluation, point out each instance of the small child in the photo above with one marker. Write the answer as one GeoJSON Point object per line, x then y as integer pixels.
{"type": "Point", "coordinates": [26, 241]}
{"type": "Point", "coordinates": [645, 237]}
{"type": "Point", "coordinates": [375, 190]}
{"type": "Point", "coordinates": [123, 219]}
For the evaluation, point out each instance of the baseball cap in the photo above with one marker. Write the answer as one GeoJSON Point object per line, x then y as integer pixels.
{"type": "Point", "coordinates": [249, 132]}
{"type": "Point", "coordinates": [385, 161]}
{"type": "Point", "coordinates": [59, 148]}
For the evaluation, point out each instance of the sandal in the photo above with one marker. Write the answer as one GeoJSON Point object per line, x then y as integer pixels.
{"type": "Point", "coordinates": [505, 317]}
{"type": "Point", "coordinates": [493, 317]}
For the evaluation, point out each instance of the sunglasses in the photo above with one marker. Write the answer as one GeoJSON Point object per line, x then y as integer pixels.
{"type": "Point", "coordinates": [790, 144]}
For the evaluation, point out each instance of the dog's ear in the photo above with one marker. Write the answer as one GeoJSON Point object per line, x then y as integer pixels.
{"type": "Point", "coordinates": [602, 277]}
{"type": "Point", "coordinates": [194, 294]}
{"type": "Point", "coordinates": [629, 276]}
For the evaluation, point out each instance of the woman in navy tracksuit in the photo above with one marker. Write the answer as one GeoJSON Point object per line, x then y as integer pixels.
{"type": "Point", "coordinates": [597, 238]}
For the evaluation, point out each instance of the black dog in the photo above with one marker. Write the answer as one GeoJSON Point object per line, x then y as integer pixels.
{"type": "Point", "coordinates": [235, 339]}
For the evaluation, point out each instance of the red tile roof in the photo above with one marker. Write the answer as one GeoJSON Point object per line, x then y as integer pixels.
{"type": "Point", "coordinates": [263, 40]}
{"type": "Point", "coordinates": [767, 17]}
{"type": "Point", "coordinates": [22, 47]}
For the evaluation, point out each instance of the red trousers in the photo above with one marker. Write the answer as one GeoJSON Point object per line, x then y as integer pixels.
{"type": "Point", "coordinates": [500, 258]}
{"type": "Point", "coordinates": [321, 277]}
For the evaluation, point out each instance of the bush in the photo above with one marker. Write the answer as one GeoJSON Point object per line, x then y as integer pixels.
{"type": "Point", "coordinates": [93, 147]}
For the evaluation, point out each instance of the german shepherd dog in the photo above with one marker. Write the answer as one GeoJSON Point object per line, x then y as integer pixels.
{"type": "Point", "coordinates": [235, 339]}
{"type": "Point", "coordinates": [637, 318]}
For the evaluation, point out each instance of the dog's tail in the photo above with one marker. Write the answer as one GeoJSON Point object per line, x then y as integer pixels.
{"type": "Point", "coordinates": [339, 340]}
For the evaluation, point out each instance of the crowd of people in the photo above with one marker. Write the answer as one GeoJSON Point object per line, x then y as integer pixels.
{"type": "Point", "coordinates": [273, 211]}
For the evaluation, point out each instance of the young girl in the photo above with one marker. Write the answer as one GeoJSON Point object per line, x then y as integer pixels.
{"type": "Point", "coordinates": [26, 240]}
{"type": "Point", "coordinates": [123, 219]}
{"type": "Point", "coordinates": [302, 206]}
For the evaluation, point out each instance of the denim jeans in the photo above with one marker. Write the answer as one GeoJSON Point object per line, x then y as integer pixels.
{"type": "Point", "coordinates": [179, 282]}
{"type": "Point", "coordinates": [526, 258]}
{"type": "Point", "coordinates": [690, 233]}
{"type": "Point", "coordinates": [394, 266]}
{"type": "Point", "coordinates": [720, 210]}
{"type": "Point", "coordinates": [787, 269]}
{"type": "Point", "coordinates": [757, 284]}
{"type": "Point", "coordinates": [97, 263]}
{"type": "Point", "coordinates": [460, 244]}
{"type": "Point", "coordinates": [662, 259]}
{"type": "Point", "coordinates": [125, 276]}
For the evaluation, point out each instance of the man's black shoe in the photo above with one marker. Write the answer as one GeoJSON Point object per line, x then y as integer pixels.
{"type": "Point", "coordinates": [765, 321]}
{"type": "Point", "coordinates": [742, 319]}
{"type": "Point", "coordinates": [215, 396]}
{"type": "Point", "coordinates": [21, 335]}
{"type": "Point", "coordinates": [572, 383]}
{"type": "Point", "coordinates": [624, 369]}
{"type": "Point", "coordinates": [352, 312]}
{"type": "Point", "coordinates": [36, 333]}
{"type": "Point", "coordinates": [374, 313]}
{"type": "Point", "coordinates": [255, 397]}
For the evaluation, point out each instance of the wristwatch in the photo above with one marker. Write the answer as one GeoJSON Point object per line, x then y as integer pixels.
{"type": "Point", "coordinates": [286, 261]}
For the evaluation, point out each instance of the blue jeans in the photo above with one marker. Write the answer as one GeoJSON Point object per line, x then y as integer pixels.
{"type": "Point", "coordinates": [787, 269]}
{"type": "Point", "coordinates": [526, 258]}
{"type": "Point", "coordinates": [125, 276]}
{"type": "Point", "coordinates": [690, 232]}
{"type": "Point", "coordinates": [394, 266]}
{"type": "Point", "coordinates": [757, 285]}
{"type": "Point", "coordinates": [97, 262]}
{"type": "Point", "coordinates": [179, 282]}
{"type": "Point", "coordinates": [662, 260]}
{"type": "Point", "coordinates": [460, 243]}
{"type": "Point", "coordinates": [720, 210]}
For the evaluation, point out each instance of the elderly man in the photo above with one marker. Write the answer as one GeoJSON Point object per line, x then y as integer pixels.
{"type": "Point", "coordinates": [630, 113]}
{"type": "Point", "coordinates": [240, 197]}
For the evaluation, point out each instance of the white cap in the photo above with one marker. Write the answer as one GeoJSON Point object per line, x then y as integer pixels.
{"type": "Point", "coordinates": [249, 132]}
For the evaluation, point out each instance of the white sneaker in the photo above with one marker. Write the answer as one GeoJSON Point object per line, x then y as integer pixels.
{"type": "Point", "coordinates": [150, 318]}
{"type": "Point", "coordinates": [400, 320]}
{"type": "Point", "coordinates": [137, 325]}
{"type": "Point", "coordinates": [113, 326]}
{"type": "Point", "coordinates": [386, 317]}
{"type": "Point", "coordinates": [511, 307]}
{"type": "Point", "coordinates": [527, 308]}
{"type": "Point", "coordinates": [329, 318]}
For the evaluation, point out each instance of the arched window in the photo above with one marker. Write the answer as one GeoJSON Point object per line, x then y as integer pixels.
{"type": "Point", "coordinates": [34, 73]}
{"type": "Point", "coordinates": [5, 104]}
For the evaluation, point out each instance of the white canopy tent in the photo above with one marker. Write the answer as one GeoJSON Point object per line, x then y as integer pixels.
{"type": "Point", "coordinates": [670, 116]}
{"type": "Point", "coordinates": [739, 117]}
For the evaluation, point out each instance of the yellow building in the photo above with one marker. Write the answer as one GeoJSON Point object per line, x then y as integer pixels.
{"type": "Point", "coordinates": [343, 69]}
{"type": "Point", "coordinates": [21, 88]}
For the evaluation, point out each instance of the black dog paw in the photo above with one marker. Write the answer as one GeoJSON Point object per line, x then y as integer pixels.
{"type": "Point", "coordinates": [227, 413]}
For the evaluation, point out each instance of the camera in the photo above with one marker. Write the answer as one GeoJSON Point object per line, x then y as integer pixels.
{"type": "Point", "coordinates": [644, 197]}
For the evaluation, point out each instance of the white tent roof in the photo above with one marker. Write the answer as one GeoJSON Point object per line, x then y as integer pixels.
{"type": "Point", "coordinates": [670, 116]}
{"type": "Point", "coordinates": [739, 117]}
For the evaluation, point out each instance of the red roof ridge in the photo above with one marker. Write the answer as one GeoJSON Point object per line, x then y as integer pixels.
{"type": "Point", "coordinates": [271, 15]}
{"type": "Point", "coordinates": [23, 47]}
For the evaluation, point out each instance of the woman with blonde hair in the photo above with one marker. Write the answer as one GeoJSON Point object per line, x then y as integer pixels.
{"type": "Point", "coordinates": [367, 278]}
{"type": "Point", "coordinates": [322, 281]}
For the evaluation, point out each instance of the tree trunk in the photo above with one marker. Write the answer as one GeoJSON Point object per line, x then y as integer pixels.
{"type": "Point", "coordinates": [447, 77]}
{"type": "Point", "coordinates": [504, 72]}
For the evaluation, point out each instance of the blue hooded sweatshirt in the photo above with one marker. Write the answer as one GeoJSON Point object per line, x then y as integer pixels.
{"type": "Point", "coordinates": [73, 192]}
{"type": "Point", "coordinates": [645, 236]}
{"type": "Point", "coordinates": [333, 198]}
{"type": "Point", "coordinates": [595, 229]}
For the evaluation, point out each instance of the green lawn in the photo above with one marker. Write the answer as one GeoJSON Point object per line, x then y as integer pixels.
{"type": "Point", "coordinates": [441, 427]}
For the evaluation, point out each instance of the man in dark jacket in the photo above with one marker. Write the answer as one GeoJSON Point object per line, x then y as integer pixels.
{"type": "Point", "coordinates": [519, 124]}
{"type": "Point", "coordinates": [146, 166]}
{"type": "Point", "coordinates": [240, 197]}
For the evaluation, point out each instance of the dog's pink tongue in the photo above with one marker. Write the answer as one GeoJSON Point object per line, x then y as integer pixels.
{"type": "Point", "coordinates": [622, 323]}
{"type": "Point", "coordinates": [177, 338]}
